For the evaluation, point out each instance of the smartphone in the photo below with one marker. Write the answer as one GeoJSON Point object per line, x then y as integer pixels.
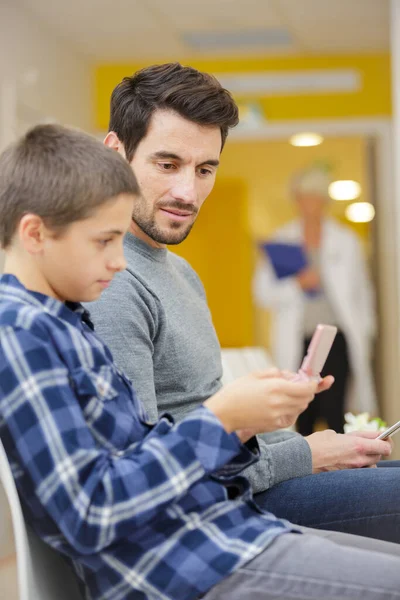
{"type": "Point", "coordinates": [317, 352]}
{"type": "Point", "coordinates": [388, 432]}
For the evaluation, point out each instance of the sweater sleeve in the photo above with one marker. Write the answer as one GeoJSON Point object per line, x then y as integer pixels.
{"type": "Point", "coordinates": [283, 455]}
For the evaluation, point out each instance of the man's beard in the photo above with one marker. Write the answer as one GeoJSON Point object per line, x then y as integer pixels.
{"type": "Point", "coordinates": [150, 228]}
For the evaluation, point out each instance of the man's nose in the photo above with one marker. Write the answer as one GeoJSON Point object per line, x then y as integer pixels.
{"type": "Point", "coordinates": [185, 189]}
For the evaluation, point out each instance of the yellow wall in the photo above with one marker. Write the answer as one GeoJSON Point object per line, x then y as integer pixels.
{"type": "Point", "coordinates": [266, 167]}
{"type": "Point", "coordinates": [373, 98]}
{"type": "Point", "coordinates": [220, 249]}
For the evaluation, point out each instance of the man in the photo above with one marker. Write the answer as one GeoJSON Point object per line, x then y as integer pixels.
{"type": "Point", "coordinates": [171, 122]}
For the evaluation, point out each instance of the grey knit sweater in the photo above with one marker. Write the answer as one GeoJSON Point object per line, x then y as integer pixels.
{"type": "Point", "coordinates": [155, 319]}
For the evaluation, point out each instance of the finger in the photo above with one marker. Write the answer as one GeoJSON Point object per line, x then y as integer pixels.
{"type": "Point", "coordinates": [365, 433]}
{"type": "Point", "coordinates": [377, 447]}
{"type": "Point", "coordinates": [371, 460]}
{"type": "Point", "coordinates": [325, 383]}
{"type": "Point", "coordinates": [389, 440]}
{"type": "Point", "coordinates": [269, 373]}
{"type": "Point", "coordinates": [288, 375]}
{"type": "Point", "coordinates": [297, 389]}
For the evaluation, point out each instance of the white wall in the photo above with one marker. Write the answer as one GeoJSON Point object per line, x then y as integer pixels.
{"type": "Point", "coordinates": [41, 76]}
{"type": "Point", "coordinates": [63, 88]}
{"type": "Point", "coordinates": [62, 92]}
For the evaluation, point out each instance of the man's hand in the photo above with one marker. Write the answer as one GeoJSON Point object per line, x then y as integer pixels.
{"type": "Point", "coordinates": [332, 451]}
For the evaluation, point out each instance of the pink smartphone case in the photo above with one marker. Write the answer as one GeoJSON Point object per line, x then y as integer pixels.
{"type": "Point", "coordinates": [317, 353]}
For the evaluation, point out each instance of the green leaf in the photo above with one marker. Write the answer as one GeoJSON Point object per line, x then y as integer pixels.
{"type": "Point", "coordinates": [380, 422]}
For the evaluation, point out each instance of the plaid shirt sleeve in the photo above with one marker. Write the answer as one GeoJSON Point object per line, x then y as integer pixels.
{"type": "Point", "coordinates": [92, 494]}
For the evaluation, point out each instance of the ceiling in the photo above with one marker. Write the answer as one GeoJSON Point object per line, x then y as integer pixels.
{"type": "Point", "coordinates": [129, 30]}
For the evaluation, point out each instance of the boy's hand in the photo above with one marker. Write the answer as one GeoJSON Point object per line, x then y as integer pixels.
{"type": "Point", "coordinates": [260, 402]}
{"type": "Point", "coordinates": [324, 384]}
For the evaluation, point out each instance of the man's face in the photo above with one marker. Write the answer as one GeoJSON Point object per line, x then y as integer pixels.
{"type": "Point", "coordinates": [175, 164]}
{"type": "Point", "coordinates": [311, 204]}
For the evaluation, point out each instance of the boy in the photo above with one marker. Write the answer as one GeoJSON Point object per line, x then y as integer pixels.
{"type": "Point", "coordinates": [142, 510]}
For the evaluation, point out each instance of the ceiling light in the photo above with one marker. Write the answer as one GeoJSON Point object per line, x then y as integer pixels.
{"type": "Point", "coordinates": [344, 190]}
{"type": "Point", "coordinates": [209, 40]}
{"type": "Point", "coordinates": [306, 139]}
{"type": "Point", "coordinates": [288, 83]}
{"type": "Point", "coordinates": [360, 212]}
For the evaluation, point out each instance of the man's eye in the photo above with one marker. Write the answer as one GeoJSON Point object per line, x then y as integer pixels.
{"type": "Point", "coordinates": [105, 242]}
{"type": "Point", "coordinates": [205, 172]}
{"type": "Point", "coordinates": [166, 166]}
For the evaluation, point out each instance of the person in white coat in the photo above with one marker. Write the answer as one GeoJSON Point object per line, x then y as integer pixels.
{"type": "Point", "coordinates": [337, 273]}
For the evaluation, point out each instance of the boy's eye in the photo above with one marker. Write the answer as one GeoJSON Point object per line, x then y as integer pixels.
{"type": "Point", "coordinates": [105, 242]}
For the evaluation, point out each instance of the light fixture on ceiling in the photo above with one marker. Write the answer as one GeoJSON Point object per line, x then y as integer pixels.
{"type": "Point", "coordinates": [288, 83]}
{"type": "Point", "coordinates": [305, 140]}
{"type": "Point", "coordinates": [238, 38]}
{"type": "Point", "coordinates": [360, 212]}
{"type": "Point", "coordinates": [345, 189]}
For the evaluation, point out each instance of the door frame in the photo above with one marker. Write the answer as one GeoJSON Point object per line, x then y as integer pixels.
{"type": "Point", "coordinates": [387, 229]}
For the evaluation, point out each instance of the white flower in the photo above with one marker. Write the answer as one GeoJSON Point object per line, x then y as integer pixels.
{"type": "Point", "coordinates": [362, 422]}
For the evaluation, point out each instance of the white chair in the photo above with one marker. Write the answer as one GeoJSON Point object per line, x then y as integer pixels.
{"type": "Point", "coordinates": [42, 573]}
{"type": "Point", "coordinates": [241, 361]}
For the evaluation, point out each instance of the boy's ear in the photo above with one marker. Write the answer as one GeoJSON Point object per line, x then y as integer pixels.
{"type": "Point", "coordinates": [112, 141]}
{"type": "Point", "coordinates": [32, 233]}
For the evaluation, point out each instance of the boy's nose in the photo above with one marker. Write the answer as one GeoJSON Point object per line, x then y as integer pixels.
{"type": "Point", "coordinates": [118, 264]}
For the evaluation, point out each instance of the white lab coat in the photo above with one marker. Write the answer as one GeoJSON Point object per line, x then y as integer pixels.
{"type": "Point", "coordinates": [347, 285]}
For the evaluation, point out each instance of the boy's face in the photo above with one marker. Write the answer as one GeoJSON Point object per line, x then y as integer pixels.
{"type": "Point", "coordinates": [79, 264]}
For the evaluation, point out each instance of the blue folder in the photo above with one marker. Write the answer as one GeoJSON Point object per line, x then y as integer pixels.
{"type": "Point", "coordinates": [287, 260]}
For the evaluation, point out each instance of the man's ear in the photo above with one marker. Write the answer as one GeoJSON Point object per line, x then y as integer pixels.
{"type": "Point", "coordinates": [112, 141]}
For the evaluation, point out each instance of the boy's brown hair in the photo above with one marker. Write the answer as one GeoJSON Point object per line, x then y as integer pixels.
{"type": "Point", "coordinates": [60, 174]}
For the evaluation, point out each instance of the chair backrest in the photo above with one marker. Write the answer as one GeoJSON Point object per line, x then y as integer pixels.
{"type": "Point", "coordinates": [42, 573]}
{"type": "Point", "coordinates": [240, 361]}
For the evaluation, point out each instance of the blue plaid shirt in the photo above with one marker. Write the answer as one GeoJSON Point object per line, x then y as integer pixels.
{"type": "Point", "coordinates": [142, 510]}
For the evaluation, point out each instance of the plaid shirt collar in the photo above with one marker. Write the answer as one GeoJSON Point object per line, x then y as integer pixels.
{"type": "Point", "coordinates": [12, 290]}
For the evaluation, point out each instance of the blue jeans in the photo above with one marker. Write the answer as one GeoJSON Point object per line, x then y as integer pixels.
{"type": "Point", "coordinates": [359, 501]}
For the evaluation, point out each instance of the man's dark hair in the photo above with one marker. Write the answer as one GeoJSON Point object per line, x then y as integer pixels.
{"type": "Point", "coordinates": [61, 175]}
{"type": "Point", "coordinates": [196, 96]}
